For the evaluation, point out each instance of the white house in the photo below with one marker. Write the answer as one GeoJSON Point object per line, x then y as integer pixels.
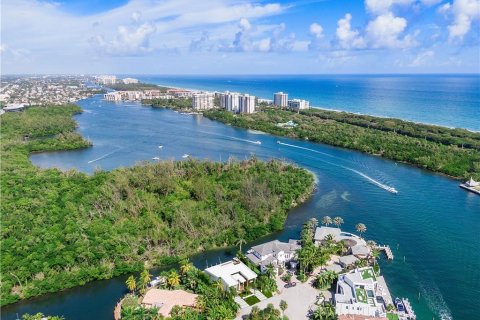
{"type": "Point", "coordinates": [357, 246]}
{"type": "Point", "coordinates": [274, 253]}
{"type": "Point", "coordinates": [233, 273]}
{"type": "Point", "coordinates": [358, 292]}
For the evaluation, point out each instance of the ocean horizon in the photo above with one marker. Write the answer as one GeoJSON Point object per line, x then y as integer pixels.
{"type": "Point", "coordinates": [450, 100]}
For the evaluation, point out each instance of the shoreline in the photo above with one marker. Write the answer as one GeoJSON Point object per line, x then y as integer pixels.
{"type": "Point", "coordinates": [341, 111]}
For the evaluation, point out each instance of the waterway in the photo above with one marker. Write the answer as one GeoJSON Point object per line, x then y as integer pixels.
{"type": "Point", "coordinates": [432, 225]}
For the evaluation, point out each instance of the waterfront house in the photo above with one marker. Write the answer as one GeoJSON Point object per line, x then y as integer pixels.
{"type": "Point", "coordinates": [275, 253]}
{"type": "Point", "coordinates": [347, 261]}
{"type": "Point", "coordinates": [359, 292]}
{"type": "Point", "coordinates": [233, 273]}
{"type": "Point", "coordinates": [165, 300]}
{"type": "Point", "coordinates": [357, 246]}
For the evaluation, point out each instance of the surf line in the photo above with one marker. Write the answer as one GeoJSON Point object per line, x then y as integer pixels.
{"type": "Point", "coordinates": [104, 156]}
{"type": "Point", "coordinates": [375, 182]}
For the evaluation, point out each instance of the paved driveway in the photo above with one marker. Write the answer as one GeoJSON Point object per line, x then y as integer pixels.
{"type": "Point", "coordinates": [300, 299]}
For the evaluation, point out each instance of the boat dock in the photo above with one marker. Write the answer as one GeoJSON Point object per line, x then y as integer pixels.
{"type": "Point", "coordinates": [408, 309]}
{"type": "Point", "coordinates": [387, 250]}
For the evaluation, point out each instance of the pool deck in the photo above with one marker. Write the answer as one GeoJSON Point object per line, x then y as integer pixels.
{"type": "Point", "coordinates": [383, 290]}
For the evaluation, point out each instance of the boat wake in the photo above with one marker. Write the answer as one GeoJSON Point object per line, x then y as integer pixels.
{"type": "Point", "coordinates": [104, 156]}
{"type": "Point", "coordinates": [363, 175]}
{"type": "Point", "coordinates": [244, 140]}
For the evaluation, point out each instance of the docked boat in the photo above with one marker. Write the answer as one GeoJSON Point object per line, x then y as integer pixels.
{"type": "Point", "coordinates": [471, 185]}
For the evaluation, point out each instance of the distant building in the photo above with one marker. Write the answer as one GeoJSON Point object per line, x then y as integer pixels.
{"type": "Point", "coordinates": [233, 274]}
{"type": "Point", "coordinates": [129, 80]}
{"type": "Point", "coordinates": [107, 80]}
{"type": "Point", "coordinates": [275, 253]}
{"type": "Point", "coordinates": [202, 101]}
{"type": "Point", "coordinates": [180, 93]}
{"type": "Point", "coordinates": [280, 99]}
{"type": "Point", "coordinates": [298, 104]}
{"type": "Point", "coordinates": [266, 101]}
{"type": "Point", "coordinates": [236, 102]}
{"type": "Point", "coordinates": [113, 96]}
{"type": "Point", "coordinates": [247, 103]}
{"type": "Point", "coordinates": [14, 107]}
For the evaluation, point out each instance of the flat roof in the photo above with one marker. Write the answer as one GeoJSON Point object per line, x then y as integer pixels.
{"type": "Point", "coordinates": [165, 300]}
{"type": "Point", "coordinates": [228, 272]}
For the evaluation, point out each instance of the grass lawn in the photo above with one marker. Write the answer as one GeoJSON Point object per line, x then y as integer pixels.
{"type": "Point", "coordinates": [367, 274]}
{"type": "Point", "coordinates": [361, 295]}
{"type": "Point", "coordinates": [252, 300]}
{"type": "Point", "coordinates": [392, 316]}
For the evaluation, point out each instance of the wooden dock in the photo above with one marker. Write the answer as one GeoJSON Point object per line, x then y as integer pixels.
{"type": "Point", "coordinates": [387, 250]}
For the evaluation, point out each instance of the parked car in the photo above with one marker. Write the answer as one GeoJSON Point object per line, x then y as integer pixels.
{"type": "Point", "coordinates": [290, 285]}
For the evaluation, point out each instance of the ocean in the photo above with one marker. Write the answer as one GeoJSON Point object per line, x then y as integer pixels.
{"type": "Point", "coordinates": [447, 100]}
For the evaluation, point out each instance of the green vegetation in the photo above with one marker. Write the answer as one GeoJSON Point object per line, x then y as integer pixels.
{"type": "Point", "coordinates": [252, 300]}
{"type": "Point", "coordinates": [136, 87]}
{"type": "Point", "coordinates": [367, 274]}
{"type": "Point", "coordinates": [323, 312]}
{"type": "Point", "coordinates": [269, 313]}
{"type": "Point", "coordinates": [63, 229]}
{"type": "Point", "coordinates": [181, 104]}
{"type": "Point", "coordinates": [392, 316]}
{"type": "Point", "coordinates": [361, 295]}
{"type": "Point", "coordinates": [455, 152]}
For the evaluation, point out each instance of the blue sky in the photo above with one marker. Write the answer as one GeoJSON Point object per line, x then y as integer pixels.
{"type": "Point", "coordinates": [240, 36]}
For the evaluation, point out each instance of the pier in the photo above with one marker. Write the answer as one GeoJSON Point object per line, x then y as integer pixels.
{"type": "Point", "coordinates": [387, 250]}
{"type": "Point", "coordinates": [409, 310]}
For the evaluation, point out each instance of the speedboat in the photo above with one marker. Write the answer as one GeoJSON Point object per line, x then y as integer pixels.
{"type": "Point", "coordinates": [257, 142]}
{"type": "Point", "coordinates": [392, 190]}
{"type": "Point", "coordinates": [185, 156]}
{"type": "Point", "coordinates": [155, 158]}
{"type": "Point", "coordinates": [399, 305]}
{"type": "Point", "coordinates": [160, 147]}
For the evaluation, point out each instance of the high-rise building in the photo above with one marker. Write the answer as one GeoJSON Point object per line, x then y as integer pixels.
{"type": "Point", "coordinates": [202, 101]}
{"type": "Point", "coordinates": [298, 104]}
{"type": "Point", "coordinates": [247, 103]}
{"type": "Point", "coordinates": [107, 80]}
{"type": "Point", "coordinates": [280, 99]}
{"type": "Point", "coordinates": [236, 102]}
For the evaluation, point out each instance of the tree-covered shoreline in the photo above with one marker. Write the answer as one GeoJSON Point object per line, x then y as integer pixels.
{"type": "Point", "coordinates": [63, 229]}
{"type": "Point", "coordinates": [454, 152]}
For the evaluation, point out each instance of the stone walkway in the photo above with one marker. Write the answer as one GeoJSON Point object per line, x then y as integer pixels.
{"type": "Point", "coordinates": [240, 302]}
{"type": "Point", "coordinates": [260, 295]}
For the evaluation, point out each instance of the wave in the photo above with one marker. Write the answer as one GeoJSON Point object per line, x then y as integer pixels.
{"type": "Point", "coordinates": [104, 156]}
{"type": "Point", "coordinates": [368, 178]}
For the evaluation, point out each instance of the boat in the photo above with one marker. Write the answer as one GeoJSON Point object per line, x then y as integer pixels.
{"type": "Point", "coordinates": [185, 156]}
{"type": "Point", "coordinates": [160, 147]}
{"type": "Point", "coordinates": [392, 190]}
{"type": "Point", "coordinates": [257, 142]}
{"type": "Point", "coordinates": [155, 158]}
{"type": "Point", "coordinates": [399, 305]}
{"type": "Point", "coordinates": [471, 185]}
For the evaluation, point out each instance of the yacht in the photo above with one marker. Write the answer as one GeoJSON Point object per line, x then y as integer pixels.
{"type": "Point", "coordinates": [185, 156]}
{"type": "Point", "coordinates": [155, 158]}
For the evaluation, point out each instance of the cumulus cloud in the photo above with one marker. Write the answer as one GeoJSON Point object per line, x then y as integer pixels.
{"type": "Point", "coordinates": [129, 41]}
{"type": "Point", "coordinates": [464, 13]}
{"type": "Point", "coordinates": [346, 37]}
{"type": "Point", "coordinates": [384, 6]}
{"type": "Point", "coordinates": [385, 32]}
{"type": "Point", "coordinates": [316, 32]}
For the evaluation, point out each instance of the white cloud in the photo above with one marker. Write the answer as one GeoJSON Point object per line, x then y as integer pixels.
{"type": "Point", "coordinates": [348, 38]}
{"type": "Point", "coordinates": [385, 32]}
{"type": "Point", "coordinates": [316, 30]}
{"type": "Point", "coordinates": [384, 6]}
{"type": "Point", "coordinates": [464, 12]}
{"type": "Point", "coordinates": [422, 58]}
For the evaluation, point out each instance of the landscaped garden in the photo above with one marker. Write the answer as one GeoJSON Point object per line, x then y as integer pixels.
{"type": "Point", "coordinates": [361, 295]}
{"type": "Point", "coordinates": [367, 274]}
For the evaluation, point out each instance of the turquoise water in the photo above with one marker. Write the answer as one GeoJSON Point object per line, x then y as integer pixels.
{"type": "Point", "coordinates": [432, 225]}
{"type": "Point", "coordinates": [449, 100]}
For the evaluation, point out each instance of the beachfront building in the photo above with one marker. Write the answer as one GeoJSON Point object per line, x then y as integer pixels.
{"type": "Point", "coordinates": [298, 104]}
{"type": "Point", "coordinates": [180, 93]}
{"type": "Point", "coordinates": [280, 99]}
{"type": "Point", "coordinates": [202, 101]}
{"type": "Point", "coordinates": [113, 96]}
{"type": "Point", "coordinates": [359, 292]}
{"type": "Point", "coordinates": [233, 274]}
{"type": "Point", "coordinates": [129, 81]}
{"type": "Point", "coordinates": [246, 103]}
{"type": "Point", "coordinates": [236, 102]}
{"type": "Point", "coordinates": [275, 253]}
{"type": "Point", "coordinates": [107, 80]}
{"type": "Point", "coordinates": [265, 101]}
{"type": "Point", "coordinates": [357, 246]}
{"type": "Point", "coordinates": [165, 300]}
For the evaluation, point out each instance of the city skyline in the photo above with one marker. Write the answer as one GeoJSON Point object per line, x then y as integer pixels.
{"type": "Point", "coordinates": [240, 37]}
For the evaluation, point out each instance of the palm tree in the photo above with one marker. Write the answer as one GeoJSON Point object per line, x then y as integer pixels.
{"type": "Point", "coordinates": [326, 220]}
{"type": "Point", "coordinates": [283, 305]}
{"type": "Point", "coordinates": [374, 255]}
{"type": "Point", "coordinates": [338, 221]}
{"type": "Point", "coordinates": [240, 242]}
{"type": "Point", "coordinates": [200, 303]}
{"type": "Point", "coordinates": [185, 267]}
{"type": "Point", "coordinates": [145, 278]}
{"type": "Point", "coordinates": [173, 279]}
{"type": "Point", "coordinates": [314, 222]}
{"type": "Point", "coordinates": [361, 228]}
{"type": "Point", "coordinates": [131, 283]}
{"type": "Point", "coordinates": [270, 271]}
